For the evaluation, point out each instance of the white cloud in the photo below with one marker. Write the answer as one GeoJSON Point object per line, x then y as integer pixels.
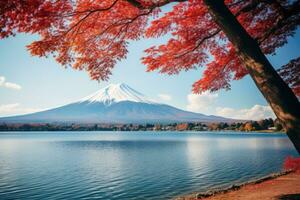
{"type": "Point", "coordinates": [206, 103]}
{"type": "Point", "coordinates": [202, 103]}
{"type": "Point", "coordinates": [15, 109]}
{"type": "Point", "coordinates": [9, 85]}
{"type": "Point", "coordinates": [165, 97]}
{"type": "Point", "coordinates": [256, 112]}
{"type": "Point", "coordinates": [12, 86]}
{"type": "Point", "coordinates": [2, 80]}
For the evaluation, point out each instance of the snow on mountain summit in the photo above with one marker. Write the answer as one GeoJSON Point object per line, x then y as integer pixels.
{"type": "Point", "coordinates": [114, 93]}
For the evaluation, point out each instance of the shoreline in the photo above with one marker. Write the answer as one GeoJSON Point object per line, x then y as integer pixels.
{"type": "Point", "coordinates": [235, 188]}
{"type": "Point", "coordinates": [164, 131]}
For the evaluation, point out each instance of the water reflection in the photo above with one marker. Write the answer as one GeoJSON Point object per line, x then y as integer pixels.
{"type": "Point", "coordinates": [131, 165]}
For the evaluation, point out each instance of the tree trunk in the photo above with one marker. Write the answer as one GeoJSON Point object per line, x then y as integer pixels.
{"type": "Point", "coordinates": [278, 94]}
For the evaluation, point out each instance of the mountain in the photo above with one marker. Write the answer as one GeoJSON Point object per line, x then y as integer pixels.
{"type": "Point", "coordinates": [116, 103]}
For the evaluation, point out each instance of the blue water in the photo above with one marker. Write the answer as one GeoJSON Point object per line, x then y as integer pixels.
{"type": "Point", "coordinates": [132, 165]}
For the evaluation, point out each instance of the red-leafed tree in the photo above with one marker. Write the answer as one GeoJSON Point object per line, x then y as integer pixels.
{"type": "Point", "coordinates": [93, 35]}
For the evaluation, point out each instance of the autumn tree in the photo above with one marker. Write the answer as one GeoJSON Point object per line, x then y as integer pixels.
{"type": "Point", "coordinates": [230, 38]}
{"type": "Point", "coordinates": [249, 127]}
{"type": "Point", "coordinates": [183, 127]}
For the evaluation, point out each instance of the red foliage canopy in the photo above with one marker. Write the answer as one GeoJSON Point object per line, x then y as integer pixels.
{"type": "Point", "coordinates": [93, 35]}
{"type": "Point", "coordinates": [291, 163]}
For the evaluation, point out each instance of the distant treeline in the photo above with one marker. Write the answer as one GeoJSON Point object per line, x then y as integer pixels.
{"type": "Point", "coordinates": [266, 124]}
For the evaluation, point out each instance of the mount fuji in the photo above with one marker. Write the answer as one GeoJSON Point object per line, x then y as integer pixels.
{"type": "Point", "coordinates": [116, 103]}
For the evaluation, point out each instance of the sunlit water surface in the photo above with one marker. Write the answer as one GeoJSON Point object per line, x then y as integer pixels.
{"type": "Point", "coordinates": [132, 165]}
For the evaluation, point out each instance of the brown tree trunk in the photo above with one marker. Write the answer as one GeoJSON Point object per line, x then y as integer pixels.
{"type": "Point", "coordinates": [278, 94]}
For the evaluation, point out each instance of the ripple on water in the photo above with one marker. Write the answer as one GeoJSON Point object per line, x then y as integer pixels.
{"type": "Point", "coordinates": [97, 165]}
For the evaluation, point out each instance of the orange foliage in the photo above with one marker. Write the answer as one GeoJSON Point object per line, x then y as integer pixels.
{"type": "Point", "coordinates": [93, 35]}
{"type": "Point", "coordinates": [182, 127]}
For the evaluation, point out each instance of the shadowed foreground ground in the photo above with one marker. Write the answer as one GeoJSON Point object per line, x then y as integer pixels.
{"type": "Point", "coordinates": [286, 187]}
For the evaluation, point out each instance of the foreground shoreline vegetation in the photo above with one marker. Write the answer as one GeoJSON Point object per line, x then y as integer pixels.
{"type": "Point", "coordinates": [283, 185]}
{"type": "Point", "coordinates": [276, 185]}
{"type": "Point", "coordinates": [280, 185]}
{"type": "Point", "coordinates": [265, 125]}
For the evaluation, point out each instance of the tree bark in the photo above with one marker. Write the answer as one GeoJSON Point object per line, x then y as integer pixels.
{"type": "Point", "coordinates": [278, 94]}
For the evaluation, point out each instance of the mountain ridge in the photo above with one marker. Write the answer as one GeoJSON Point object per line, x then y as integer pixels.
{"type": "Point", "coordinates": [116, 103]}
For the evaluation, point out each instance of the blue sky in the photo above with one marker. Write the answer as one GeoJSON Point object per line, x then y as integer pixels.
{"type": "Point", "coordinates": [43, 83]}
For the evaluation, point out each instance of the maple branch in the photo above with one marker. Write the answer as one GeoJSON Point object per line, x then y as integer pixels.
{"type": "Point", "coordinates": [200, 43]}
{"type": "Point", "coordinates": [123, 24]}
{"type": "Point", "coordinates": [235, 3]}
{"type": "Point", "coordinates": [126, 26]}
{"type": "Point", "coordinates": [283, 18]}
{"type": "Point", "coordinates": [291, 74]}
{"type": "Point", "coordinates": [91, 12]}
{"type": "Point", "coordinates": [251, 6]}
{"type": "Point", "coordinates": [294, 10]}
{"type": "Point", "coordinates": [137, 4]}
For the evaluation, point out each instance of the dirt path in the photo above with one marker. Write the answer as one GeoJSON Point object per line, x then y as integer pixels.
{"type": "Point", "coordinates": [286, 187]}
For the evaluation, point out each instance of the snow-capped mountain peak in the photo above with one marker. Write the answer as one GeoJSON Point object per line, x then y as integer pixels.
{"type": "Point", "coordinates": [114, 93]}
{"type": "Point", "coordinates": [116, 103]}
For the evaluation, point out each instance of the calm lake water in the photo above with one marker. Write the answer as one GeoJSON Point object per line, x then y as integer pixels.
{"type": "Point", "coordinates": [132, 165]}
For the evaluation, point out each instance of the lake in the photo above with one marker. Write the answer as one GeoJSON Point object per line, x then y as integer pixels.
{"type": "Point", "coordinates": [133, 165]}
